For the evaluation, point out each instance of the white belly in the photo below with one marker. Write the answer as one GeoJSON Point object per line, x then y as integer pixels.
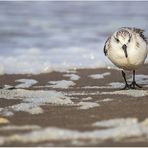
{"type": "Point", "coordinates": [136, 57]}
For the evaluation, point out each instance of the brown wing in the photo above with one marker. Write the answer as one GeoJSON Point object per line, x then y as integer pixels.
{"type": "Point", "coordinates": [106, 46]}
{"type": "Point", "coordinates": [139, 31]}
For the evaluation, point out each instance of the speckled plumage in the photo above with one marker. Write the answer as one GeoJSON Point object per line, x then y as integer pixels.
{"type": "Point", "coordinates": [127, 49]}
{"type": "Point", "coordinates": [136, 48]}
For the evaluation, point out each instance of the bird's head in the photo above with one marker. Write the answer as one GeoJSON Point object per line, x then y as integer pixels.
{"type": "Point", "coordinates": [121, 40]}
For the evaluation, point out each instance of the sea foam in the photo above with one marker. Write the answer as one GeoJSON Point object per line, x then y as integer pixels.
{"type": "Point", "coordinates": [41, 37]}
{"type": "Point", "coordinates": [36, 60]}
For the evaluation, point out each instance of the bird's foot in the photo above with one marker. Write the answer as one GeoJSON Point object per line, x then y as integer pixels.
{"type": "Point", "coordinates": [126, 87]}
{"type": "Point", "coordinates": [133, 85]}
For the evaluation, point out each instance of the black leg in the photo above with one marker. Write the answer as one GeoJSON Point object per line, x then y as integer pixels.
{"type": "Point", "coordinates": [126, 84]}
{"type": "Point", "coordinates": [134, 84]}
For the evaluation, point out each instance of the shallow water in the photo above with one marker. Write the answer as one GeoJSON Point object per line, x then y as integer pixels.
{"type": "Point", "coordinates": [40, 37]}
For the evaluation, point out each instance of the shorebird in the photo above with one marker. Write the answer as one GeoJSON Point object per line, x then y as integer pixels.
{"type": "Point", "coordinates": [127, 49]}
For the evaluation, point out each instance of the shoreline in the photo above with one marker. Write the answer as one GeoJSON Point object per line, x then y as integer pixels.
{"type": "Point", "coordinates": [74, 102]}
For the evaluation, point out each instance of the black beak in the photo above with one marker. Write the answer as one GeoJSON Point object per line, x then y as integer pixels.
{"type": "Point", "coordinates": [124, 47]}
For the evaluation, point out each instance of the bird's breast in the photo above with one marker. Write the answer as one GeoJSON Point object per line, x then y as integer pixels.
{"type": "Point", "coordinates": [136, 57]}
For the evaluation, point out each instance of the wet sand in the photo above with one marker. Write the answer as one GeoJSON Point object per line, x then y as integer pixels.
{"type": "Point", "coordinates": [90, 101]}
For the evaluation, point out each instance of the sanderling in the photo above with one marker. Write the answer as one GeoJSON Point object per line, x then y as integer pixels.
{"type": "Point", "coordinates": [127, 49]}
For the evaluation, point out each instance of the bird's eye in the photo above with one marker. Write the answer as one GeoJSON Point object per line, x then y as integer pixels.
{"type": "Point", "coordinates": [117, 40]}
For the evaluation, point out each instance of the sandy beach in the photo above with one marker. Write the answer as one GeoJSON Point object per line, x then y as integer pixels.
{"type": "Point", "coordinates": [57, 88]}
{"type": "Point", "coordinates": [82, 107]}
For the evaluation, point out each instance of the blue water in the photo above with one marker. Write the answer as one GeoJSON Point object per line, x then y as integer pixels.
{"type": "Point", "coordinates": [40, 37]}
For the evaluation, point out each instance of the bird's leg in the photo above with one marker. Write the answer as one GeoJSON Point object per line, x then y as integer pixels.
{"type": "Point", "coordinates": [134, 84]}
{"type": "Point", "coordinates": [126, 84]}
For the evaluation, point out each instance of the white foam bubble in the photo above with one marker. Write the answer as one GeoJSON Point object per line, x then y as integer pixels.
{"type": "Point", "coordinates": [81, 93]}
{"type": "Point", "coordinates": [99, 76]}
{"type": "Point", "coordinates": [116, 85]}
{"type": "Point", "coordinates": [32, 100]}
{"type": "Point", "coordinates": [25, 83]}
{"type": "Point", "coordinates": [133, 93]}
{"type": "Point", "coordinates": [87, 99]}
{"type": "Point", "coordinates": [35, 60]}
{"type": "Point", "coordinates": [61, 84]}
{"type": "Point", "coordinates": [23, 127]}
{"type": "Point", "coordinates": [87, 105]}
{"type": "Point", "coordinates": [115, 129]}
{"type": "Point", "coordinates": [95, 87]}
{"type": "Point", "coordinates": [106, 100]}
{"type": "Point", "coordinates": [72, 77]}
{"type": "Point", "coordinates": [32, 108]}
{"type": "Point", "coordinates": [116, 122]}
